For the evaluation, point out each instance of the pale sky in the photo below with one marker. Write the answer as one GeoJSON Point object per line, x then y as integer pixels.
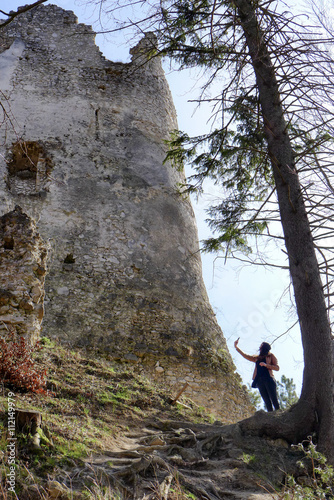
{"type": "Point", "coordinates": [247, 301]}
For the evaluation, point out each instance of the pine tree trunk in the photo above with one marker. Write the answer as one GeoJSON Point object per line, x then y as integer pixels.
{"type": "Point", "coordinates": [315, 409]}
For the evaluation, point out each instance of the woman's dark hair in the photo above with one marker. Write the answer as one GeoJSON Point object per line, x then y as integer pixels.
{"type": "Point", "coordinates": [264, 348]}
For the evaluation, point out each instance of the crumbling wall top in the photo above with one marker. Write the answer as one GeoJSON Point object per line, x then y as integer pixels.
{"type": "Point", "coordinates": [49, 27]}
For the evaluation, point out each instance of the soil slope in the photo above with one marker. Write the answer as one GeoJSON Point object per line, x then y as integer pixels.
{"type": "Point", "coordinates": [109, 433]}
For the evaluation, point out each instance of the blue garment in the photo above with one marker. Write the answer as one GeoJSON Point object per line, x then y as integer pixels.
{"type": "Point", "coordinates": [267, 386]}
{"type": "Point", "coordinates": [262, 371]}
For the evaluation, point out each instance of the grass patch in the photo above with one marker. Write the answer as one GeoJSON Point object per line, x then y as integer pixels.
{"type": "Point", "coordinates": [89, 404]}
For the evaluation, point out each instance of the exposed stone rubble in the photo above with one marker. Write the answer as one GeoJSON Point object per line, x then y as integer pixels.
{"type": "Point", "coordinates": [23, 257]}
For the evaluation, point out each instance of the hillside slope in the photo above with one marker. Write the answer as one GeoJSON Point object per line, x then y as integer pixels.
{"type": "Point", "coordinates": [109, 433]}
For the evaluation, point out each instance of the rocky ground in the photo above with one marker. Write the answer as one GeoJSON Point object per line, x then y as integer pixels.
{"type": "Point", "coordinates": [108, 433]}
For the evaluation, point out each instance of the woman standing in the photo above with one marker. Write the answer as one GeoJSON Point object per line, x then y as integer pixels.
{"type": "Point", "coordinates": [263, 377]}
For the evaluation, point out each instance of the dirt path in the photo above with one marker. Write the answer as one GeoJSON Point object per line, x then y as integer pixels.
{"type": "Point", "coordinates": [211, 462]}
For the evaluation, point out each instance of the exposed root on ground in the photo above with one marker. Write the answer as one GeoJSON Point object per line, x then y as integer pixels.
{"type": "Point", "coordinates": [211, 462]}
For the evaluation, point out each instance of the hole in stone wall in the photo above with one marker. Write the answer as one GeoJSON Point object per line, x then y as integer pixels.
{"type": "Point", "coordinates": [8, 243]}
{"type": "Point", "coordinates": [69, 259]}
{"type": "Point", "coordinates": [29, 168]}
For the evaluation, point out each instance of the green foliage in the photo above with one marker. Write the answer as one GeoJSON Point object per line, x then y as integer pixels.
{"type": "Point", "coordinates": [236, 159]}
{"type": "Point", "coordinates": [248, 459]}
{"type": "Point", "coordinates": [186, 39]}
{"type": "Point", "coordinates": [45, 341]}
{"type": "Point", "coordinates": [318, 480]}
{"type": "Point", "coordinates": [233, 156]}
{"type": "Point", "coordinates": [70, 448]}
{"type": "Point", "coordinates": [17, 367]}
{"type": "Point", "coordinates": [204, 34]}
{"type": "Point", "coordinates": [286, 392]}
{"type": "Point", "coordinates": [120, 395]}
{"type": "Point", "coordinates": [254, 397]}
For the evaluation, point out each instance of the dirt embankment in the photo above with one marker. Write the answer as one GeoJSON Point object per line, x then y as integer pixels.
{"type": "Point", "coordinates": [108, 433]}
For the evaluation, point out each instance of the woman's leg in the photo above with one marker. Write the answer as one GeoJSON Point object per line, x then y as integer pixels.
{"type": "Point", "coordinates": [262, 386]}
{"type": "Point", "coordinates": [272, 391]}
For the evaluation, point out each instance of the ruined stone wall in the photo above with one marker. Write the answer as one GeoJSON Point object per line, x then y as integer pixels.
{"type": "Point", "coordinates": [22, 273]}
{"type": "Point", "coordinates": [83, 155]}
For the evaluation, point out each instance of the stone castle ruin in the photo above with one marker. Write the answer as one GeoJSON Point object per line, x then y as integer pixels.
{"type": "Point", "coordinates": [84, 186]}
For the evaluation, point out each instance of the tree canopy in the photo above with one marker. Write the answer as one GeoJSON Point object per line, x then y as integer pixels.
{"type": "Point", "coordinates": [287, 395]}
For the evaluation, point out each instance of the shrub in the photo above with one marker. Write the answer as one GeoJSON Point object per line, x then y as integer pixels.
{"type": "Point", "coordinates": [17, 367]}
{"type": "Point", "coordinates": [318, 479]}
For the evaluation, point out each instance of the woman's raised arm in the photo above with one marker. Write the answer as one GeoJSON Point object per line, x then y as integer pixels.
{"type": "Point", "coordinates": [244, 355]}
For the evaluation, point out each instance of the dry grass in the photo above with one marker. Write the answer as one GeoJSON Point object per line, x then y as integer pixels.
{"type": "Point", "coordinates": [92, 403]}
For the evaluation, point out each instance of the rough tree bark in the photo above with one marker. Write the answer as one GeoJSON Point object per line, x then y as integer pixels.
{"type": "Point", "coordinates": [314, 411]}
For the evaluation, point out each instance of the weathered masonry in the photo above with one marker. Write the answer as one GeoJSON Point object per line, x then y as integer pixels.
{"type": "Point", "coordinates": [22, 273]}
{"type": "Point", "coordinates": [82, 156]}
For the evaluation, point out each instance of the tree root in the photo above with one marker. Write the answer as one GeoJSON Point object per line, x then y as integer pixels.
{"type": "Point", "coordinates": [293, 425]}
{"type": "Point", "coordinates": [205, 460]}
